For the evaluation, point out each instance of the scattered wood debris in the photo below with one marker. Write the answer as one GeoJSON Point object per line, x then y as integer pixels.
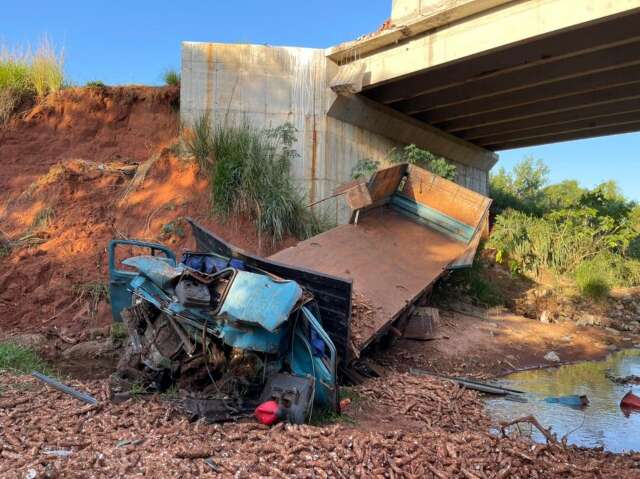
{"type": "Point", "coordinates": [106, 443]}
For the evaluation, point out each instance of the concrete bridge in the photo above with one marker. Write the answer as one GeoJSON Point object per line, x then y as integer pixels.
{"type": "Point", "coordinates": [462, 78]}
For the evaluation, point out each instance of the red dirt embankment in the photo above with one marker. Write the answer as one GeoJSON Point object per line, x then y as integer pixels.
{"type": "Point", "coordinates": [81, 168]}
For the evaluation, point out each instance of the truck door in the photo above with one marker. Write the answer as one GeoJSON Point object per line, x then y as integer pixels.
{"type": "Point", "coordinates": [314, 354]}
{"type": "Point", "coordinates": [119, 277]}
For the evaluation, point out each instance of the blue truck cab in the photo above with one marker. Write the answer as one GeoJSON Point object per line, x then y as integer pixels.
{"type": "Point", "coordinates": [221, 300]}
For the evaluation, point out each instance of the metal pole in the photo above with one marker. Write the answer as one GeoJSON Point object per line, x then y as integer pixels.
{"type": "Point", "coordinates": [65, 389]}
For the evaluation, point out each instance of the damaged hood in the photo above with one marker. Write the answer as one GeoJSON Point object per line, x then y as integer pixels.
{"type": "Point", "coordinates": [260, 300]}
{"type": "Point", "coordinates": [158, 269]}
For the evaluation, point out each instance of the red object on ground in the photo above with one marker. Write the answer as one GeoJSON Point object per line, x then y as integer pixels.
{"type": "Point", "coordinates": [344, 403]}
{"type": "Point", "coordinates": [630, 400]}
{"type": "Point", "coordinates": [268, 413]}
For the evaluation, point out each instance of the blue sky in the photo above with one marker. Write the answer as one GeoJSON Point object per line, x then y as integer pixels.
{"type": "Point", "coordinates": [135, 41]}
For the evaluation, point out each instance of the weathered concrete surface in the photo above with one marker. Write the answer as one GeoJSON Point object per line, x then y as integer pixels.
{"type": "Point", "coordinates": [508, 23]}
{"type": "Point", "coordinates": [269, 86]}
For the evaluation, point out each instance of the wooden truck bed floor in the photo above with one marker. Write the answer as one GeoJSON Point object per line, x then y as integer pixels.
{"type": "Point", "coordinates": [391, 260]}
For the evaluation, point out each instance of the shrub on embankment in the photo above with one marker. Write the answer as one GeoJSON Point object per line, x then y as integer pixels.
{"type": "Point", "coordinates": [588, 235]}
{"type": "Point", "coordinates": [249, 170]}
{"type": "Point", "coordinates": [25, 76]}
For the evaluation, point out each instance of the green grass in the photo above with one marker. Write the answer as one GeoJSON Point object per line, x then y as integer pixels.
{"type": "Point", "coordinates": [249, 171]}
{"type": "Point", "coordinates": [24, 76]}
{"type": "Point", "coordinates": [118, 332]}
{"type": "Point", "coordinates": [171, 77]}
{"type": "Point", "coordinates": [21, 359]}
{"type": "Point", "coordinates": [593, 279]}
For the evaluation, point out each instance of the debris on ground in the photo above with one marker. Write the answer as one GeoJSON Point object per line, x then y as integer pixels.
{"type": "Point", "coordinates": [430, 401]}
{"type": "Point", "coordinates": [574, 401]}
{"type": "Point", "coordinates": [362, 314]}
{"type": "Point", "coordinates": [631, 379]}
{"type": "Point", "coordinates": [630, 401]}
{"type": "Point", "coordinates": [552, 356]}
{"type": "Point", "coordinates": [162, 443]}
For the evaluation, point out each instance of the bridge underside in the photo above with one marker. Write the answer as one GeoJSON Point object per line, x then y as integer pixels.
{"type": "Point", "coordinates": [570, 84]}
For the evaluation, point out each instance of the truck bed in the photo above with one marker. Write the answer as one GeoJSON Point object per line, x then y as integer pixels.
{"type": "Point", "coordinates": [390, 259]}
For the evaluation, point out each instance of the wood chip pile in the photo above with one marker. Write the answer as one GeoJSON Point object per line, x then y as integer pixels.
{"type": "Point", "coordinates": [48, 434]}
{"type": "Point", "coordinates": [362, 317]}
{"type": "Point", "coordinates": [427, 400]}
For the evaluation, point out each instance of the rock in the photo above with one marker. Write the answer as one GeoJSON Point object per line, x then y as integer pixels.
{"type": "Point", "coordinates": [619, 306]}
{"type": "Point", "coordinates": [552, 356]}
{"type": "Point", "coordinates": [588, 320]}
{"type": "Point", "coordinates": [545, 317]}
{"type": "Point", "coordinates": [612, 331]}
{"type": "Point", "coordinates": [89, 349]}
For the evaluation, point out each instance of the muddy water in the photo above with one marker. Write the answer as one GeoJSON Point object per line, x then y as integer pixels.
{"type": "Point", "coordinates": [601, 423]}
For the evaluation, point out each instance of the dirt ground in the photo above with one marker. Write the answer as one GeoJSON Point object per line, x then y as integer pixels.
{"type": "Point", "coordinates": [90, 165]}
{"type": "Point", "coordinates": [478, 342]}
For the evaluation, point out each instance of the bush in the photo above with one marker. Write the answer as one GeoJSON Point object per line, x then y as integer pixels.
{"type": "Point", "coordinates": [364, 169]}
{"type": "Point", "coordinates": [97, 84]}
{"type": "Point", "coordinates": [171, 77]}
{"type": "Point", "coordinates": [593, 279]}
{"type": "Point", "coordinates": [250, 173]}
{"type": "Point", "coordinates": [425, 159]}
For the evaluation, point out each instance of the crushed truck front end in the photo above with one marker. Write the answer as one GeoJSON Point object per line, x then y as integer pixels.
{"type": "Point", "coordinates": [213, 326]}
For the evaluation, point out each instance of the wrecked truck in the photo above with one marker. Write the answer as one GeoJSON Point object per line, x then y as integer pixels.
{"type": "Point", "coordinates": [214, 324]}
{"type": "Point", "coordinates": [293, 316]}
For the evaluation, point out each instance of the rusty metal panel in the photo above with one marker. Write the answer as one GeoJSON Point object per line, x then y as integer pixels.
{"type": "Point", "coordinates": [384, 183]}
{"type": "Point", "coordinates": [447, 197]}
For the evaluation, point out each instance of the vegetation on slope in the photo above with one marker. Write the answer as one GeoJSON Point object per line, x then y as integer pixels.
{"type": "Point", "coordinates": [24, 76]}
{"type": "Point", "coordinates": [249, 171]}
{"type": "Point", "coordinates": [589, 235]}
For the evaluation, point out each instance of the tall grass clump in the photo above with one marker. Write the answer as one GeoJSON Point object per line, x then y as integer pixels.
{"type": "Point", "coordinates": [23, 76]}
{"type": "Point", "coordinates": [47, 69]}
{"type": "Point", "coordinates": [250, 174]}
{"type": "Point", "coordinates": [171, 77]}
{"type": "Point", "coordinates": [593, 279]}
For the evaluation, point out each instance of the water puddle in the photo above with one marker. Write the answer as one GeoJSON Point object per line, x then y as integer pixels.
{"type": "Point", "coordinates": [601, 423]}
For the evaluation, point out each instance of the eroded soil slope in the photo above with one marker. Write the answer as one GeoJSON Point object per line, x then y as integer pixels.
{"type": "Point", "coordinates": [86, 166]}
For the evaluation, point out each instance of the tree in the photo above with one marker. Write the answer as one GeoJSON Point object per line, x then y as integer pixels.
{"type": "Point", "coordinates": [522, 189]}
{"type": "Point", "coordinates": [566, 194]}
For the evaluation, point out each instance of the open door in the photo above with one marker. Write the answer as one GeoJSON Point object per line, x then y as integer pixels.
{"type": "Point", "coordinates": [314, 354]}
{"type": "Point", "coordinates": [120, 275]}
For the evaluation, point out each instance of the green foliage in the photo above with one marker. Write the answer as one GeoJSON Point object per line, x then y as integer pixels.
{"type": "Point", "coordinates": [250, 173]}
{"type": "Point", "coordinates": [97, 84]}
{"type": "Point", "coordinates": [118, 332]}
{"type": "Point", "coordinates": [25, 75]}
{"type": "Point", "coordinates": [424, 159]}
{"type": "Point", "coordinates": [21, 359]}
{"type": "Point", "coordinates": [566, 194]}
{"type": "Point", "coordinates": [521, 190]}
{"type": "Point", "coordinates": [199, 141]}
{"type": "Point", "coordinates": [171, 77]}
{"type": "Point", "coordinates": [593, 279]}
{"type": "Point", "coordinates": [479, 287]}
{"type": "Point", "coordinates": [364, 168]}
